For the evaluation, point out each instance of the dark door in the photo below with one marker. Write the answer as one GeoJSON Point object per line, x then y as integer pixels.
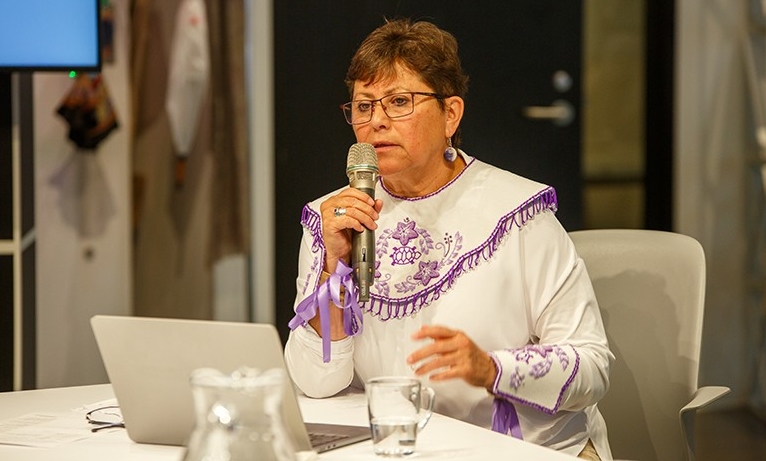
{"type": "Point", "coordinates": [523, 58]}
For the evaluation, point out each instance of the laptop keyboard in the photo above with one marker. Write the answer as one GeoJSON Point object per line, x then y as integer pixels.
{"type": "Point", "coordinates": [319, 438]}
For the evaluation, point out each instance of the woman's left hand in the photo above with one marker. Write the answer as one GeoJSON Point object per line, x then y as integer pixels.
{"type": "Point", "coordinates": [452, 354]}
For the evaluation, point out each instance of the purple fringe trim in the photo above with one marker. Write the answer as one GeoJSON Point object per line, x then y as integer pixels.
{"type": "Point", "coordinates": [310, 220]}
{"type": "Point", "coordinates": [388, 308]}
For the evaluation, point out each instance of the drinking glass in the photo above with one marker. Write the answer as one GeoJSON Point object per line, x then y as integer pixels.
{"type": "Point", "coordinates": [399, 408]}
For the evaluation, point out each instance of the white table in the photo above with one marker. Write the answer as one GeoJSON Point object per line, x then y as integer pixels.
{"type": "Point", "coordinates": [443, 439]}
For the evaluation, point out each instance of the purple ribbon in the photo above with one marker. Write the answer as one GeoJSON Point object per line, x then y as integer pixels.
{"type": "Point", "coordinates": [505, 420]}
{"type": "Point", "coordinates": [320, 299]}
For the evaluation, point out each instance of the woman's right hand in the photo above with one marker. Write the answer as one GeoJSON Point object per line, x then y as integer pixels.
{"type": "Point", "coordinates": [361, 211]}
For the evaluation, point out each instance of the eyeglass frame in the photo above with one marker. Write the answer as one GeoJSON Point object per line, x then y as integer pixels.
{"type": "Point", "coordinates": [104, 424]}
{"type": "Point", "coordinates": [347, 106]}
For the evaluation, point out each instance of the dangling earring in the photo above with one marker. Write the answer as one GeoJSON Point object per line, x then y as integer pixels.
{"type": "Point", "coordinates": [450, 153]}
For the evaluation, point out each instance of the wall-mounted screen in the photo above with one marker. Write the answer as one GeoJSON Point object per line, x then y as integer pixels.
{"type": "Point", "coordinates": [49, 35]}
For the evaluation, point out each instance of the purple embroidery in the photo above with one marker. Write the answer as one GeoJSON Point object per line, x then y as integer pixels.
{"type": "Point", "coordinates": [314, 270]}
{"type": "Point", "coordinates": [312, 221]}
{"type": "Point", "coordinates": [408, 255]}
{"type": "Point", "coordinates": [542, 366]}
{"type": "Point", "coordinates": [404, 287]}
{"type": "Point", "coordinates": [541, 369]}
{"type": "Point", "coordinates": [383, 305]}
{"type": "Point", "coordinates": [405, 231]}
{"type": "Point", "coordinates": [516, 378]}
{"type": "Point", "coordinates": [448, 241]}
{"type": "Point", "coordinates": [427, 271]}
{"type": "Point", "coordinates": [410, 301]}
{"type": "Point", "coordinates": [524, 355]}
{"type": "Point", "coordinates": [404, 256]}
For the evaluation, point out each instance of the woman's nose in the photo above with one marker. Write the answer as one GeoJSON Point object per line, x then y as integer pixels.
{"type": "Point", "coordinates": [379, 116]}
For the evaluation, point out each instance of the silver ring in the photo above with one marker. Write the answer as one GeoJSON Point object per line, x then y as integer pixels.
{"type": "Point", "coordinates": [339, 211]}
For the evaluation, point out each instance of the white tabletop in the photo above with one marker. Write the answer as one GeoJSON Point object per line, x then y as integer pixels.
{"type": "Point", "coordinates": [443, 438]}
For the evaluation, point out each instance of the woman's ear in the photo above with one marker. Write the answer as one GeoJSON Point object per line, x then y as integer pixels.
{"type": "Point", "coordinates": [453, 109]}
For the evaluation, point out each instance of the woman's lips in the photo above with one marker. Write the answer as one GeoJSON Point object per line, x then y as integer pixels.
{"type": "Point", "coordinates": [382, 146]}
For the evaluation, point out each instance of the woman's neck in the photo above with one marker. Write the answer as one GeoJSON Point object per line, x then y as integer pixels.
{"type": "Point", "coordinates": [427, 184]}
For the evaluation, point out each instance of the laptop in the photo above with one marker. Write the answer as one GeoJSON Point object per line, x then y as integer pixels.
{"type": "Point", "coordinates": [149, 362]}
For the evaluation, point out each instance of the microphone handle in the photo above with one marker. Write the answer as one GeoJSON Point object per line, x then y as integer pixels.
{"type": "Point", "coordinates": [363, 256]}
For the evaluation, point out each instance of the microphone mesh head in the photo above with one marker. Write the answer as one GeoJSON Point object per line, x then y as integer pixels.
{"type": "Point", "coordinates": [362, 156]}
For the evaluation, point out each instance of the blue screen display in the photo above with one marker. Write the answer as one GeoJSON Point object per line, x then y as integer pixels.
{"type": "Point", "coordinates": [49, 34]}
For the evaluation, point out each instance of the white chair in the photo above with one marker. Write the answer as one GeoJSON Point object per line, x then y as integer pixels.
{"type": "Point", "coordinates": [650, 287]}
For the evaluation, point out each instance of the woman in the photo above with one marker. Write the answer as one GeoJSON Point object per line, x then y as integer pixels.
{"type": "Point", "coordinates": [477, 286]}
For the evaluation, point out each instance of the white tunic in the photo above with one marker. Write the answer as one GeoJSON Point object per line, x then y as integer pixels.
{"type": "Point", "coordinates": [485, 254]}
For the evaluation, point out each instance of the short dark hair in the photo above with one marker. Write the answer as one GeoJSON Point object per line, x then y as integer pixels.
{"type": "Point", "coordinates": [419, 46]}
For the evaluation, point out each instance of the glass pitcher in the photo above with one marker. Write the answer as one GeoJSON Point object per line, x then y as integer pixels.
{"type": "Point", "coordinates": [238, 417]}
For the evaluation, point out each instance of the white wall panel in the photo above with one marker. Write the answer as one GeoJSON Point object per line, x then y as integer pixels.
{"type": "Point", "coordinates": [83, 218]}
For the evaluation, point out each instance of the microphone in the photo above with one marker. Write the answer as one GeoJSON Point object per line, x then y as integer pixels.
{"type": "Point", "coordinates": [362, 172]}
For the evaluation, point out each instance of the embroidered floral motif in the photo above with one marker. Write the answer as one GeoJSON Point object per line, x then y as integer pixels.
{"type": "Point", "coordinates": [381, 281]}
{"type": "Point", "coordinates": [448, 241]}
{"type": "Point", "coordinates": [516, 379]}
{"type": "Point", "coordinates": [557, 363]}
{"type": "Point", "coordinates": [524, 355]}
{"type": "Point", "coordinates": [541, 369]}
{"type": "Point", "coordinates": [541, 358]}
{"type": "Point", "coordinates": [416, 243]}
{"type": "Point", "coordinates": [413, 294]}
{"type": "Point", "coordinates": [427, 271]}
{"type": "Point", "coordinates": [405, 231]}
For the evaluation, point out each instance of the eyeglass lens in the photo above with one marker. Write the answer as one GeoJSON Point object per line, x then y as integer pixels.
{"type": "Point", "coordinates": [394, 105]}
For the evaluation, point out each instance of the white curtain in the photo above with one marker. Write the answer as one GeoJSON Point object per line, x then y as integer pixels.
{"type": "Point", "coordinates": [715, 198]}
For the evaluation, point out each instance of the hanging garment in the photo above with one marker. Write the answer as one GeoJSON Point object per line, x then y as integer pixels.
{"type": "Point", "coordinates": [188, 79]}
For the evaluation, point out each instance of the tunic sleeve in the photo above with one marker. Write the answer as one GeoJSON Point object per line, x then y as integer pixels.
{"type": "Point", "coordinates": [565, 365]}
{"type": "Point", "coordinates": [303, 351]}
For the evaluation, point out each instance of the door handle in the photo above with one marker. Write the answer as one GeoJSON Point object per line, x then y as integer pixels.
{"type": "Point", "coordinates": [560, 112]}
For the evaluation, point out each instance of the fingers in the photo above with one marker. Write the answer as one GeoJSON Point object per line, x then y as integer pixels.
{"type": "Point", "coordinates": [351, 217]}
{"type": "Point", "coordinates": [451, 354]}
{"type": "Point", "coordinates": [445, 340]}
{"type": "Point", "coordinates": [441, 343]}
{"type": "Point", "coordinates": [350, 209]}
{"type": "Point", "coordinates": [443, 353]}
{"type": "Point", "coordinates": [434, 332]}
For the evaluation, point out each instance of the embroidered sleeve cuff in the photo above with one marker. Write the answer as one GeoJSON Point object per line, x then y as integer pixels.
{"type": "Point", "coordinates": [535, 375]}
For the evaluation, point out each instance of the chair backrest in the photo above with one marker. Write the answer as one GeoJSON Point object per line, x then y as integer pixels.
{"type": "Point", "coordinates": [650, 287]}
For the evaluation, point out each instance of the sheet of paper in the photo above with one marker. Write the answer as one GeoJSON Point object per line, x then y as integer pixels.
{"type": "Point", "coordinates": [49, 429]}
{"type": "Point", "coordinates": [43, 429]}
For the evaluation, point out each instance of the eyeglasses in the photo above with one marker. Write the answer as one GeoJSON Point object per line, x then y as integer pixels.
{"type": "Point", "coordinates": [105, 417]}
{"type": "Point", "coordinates": [393, 105]}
